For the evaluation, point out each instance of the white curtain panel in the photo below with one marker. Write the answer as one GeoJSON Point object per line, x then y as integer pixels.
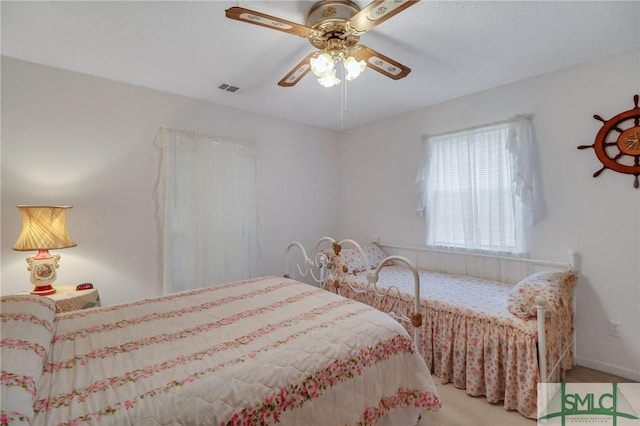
{"type": "Point", "coordinates": [476, 187]}
{"type": "Point", "coordinates": [207, 209]}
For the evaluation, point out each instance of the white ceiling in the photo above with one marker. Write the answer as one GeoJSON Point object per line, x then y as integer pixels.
{"type": "Point", "coordinates": [189, 48]}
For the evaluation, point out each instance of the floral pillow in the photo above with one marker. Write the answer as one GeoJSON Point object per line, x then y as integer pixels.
{"type": "Point", "coordinates": [350, 260]}
{"type": "Point", "coordinates": [27, 331]}
{"type": "Point", "coordinates": [555, 287]}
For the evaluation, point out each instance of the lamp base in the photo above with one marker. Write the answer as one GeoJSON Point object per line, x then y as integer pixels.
{"type": "Point", "coordinates": [43, 272]}
{"type": "Point", "coordinates": [43, 290]}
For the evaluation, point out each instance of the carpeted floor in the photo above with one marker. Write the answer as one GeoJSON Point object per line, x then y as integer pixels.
{"type": "Point", "coordinates": [461, 409]}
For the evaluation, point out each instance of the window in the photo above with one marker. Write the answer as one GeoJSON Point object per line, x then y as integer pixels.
{"type": "Point", "coordinates": [207, 209]}
{"type": "Point", "coordinates": [476, 187]}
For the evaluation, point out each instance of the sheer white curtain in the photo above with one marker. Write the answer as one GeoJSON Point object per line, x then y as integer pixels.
{"type": "Point", "coordinates": [207, 209]}
{"type": "Point", "coordinates": [476, 187]}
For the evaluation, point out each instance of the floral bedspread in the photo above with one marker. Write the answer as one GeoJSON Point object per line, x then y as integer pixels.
{"type": "Point", "coordinates": [253, 352]}
{"type": "Point", "coordinates": [469, 337]}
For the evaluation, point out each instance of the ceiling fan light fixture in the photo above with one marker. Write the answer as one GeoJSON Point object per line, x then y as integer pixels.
{"type": "Point", "coordinates": [323, 66]}
{"type": "Point", "coordinates": [353, 67]}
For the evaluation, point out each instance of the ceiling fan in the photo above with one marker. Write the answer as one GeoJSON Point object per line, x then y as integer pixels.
{"type": "Point", "coordinates": [334, 28]}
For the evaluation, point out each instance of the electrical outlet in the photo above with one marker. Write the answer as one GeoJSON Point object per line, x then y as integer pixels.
{"type": "Point", "coordinates": [614, 328]}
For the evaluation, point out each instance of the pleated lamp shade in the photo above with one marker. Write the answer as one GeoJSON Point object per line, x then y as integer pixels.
{"type": "Point", "coordinates": [43, 228]}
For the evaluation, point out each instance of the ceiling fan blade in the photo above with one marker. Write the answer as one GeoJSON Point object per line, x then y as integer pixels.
{"type": "Point", "coordinates": [296, 74]}
{"type": "Point", "coordinates": [381, 63]}
{"type": "Point", "coordinates": [257, 18]}
{"type": "Point", "coordinates": [377, 12]}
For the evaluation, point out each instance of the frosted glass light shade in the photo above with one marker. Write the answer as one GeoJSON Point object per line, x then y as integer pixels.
{"type": "Point", "coordinates": [354, 67]}
{"type": "Point", "coordinates": [43, 228]}
{"type": "Point", "coordinates": [329, 79]}
{"type": "Point", "coordinates": [322, 64]}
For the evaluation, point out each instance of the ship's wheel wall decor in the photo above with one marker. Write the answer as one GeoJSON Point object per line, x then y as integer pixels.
{"type": "Point", "coordinates": [617, 144]}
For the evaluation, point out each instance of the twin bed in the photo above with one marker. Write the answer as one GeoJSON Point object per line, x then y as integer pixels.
{"type": "Point", "coordinates": [482, 334]}
{"type": "Point", "coordinates": [255, 352]}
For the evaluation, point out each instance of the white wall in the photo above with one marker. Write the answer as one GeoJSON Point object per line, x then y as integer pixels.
{"type": "Point", "coordinates": [69, 138]}
{"type": "Point", "coordinates": [598, 218]}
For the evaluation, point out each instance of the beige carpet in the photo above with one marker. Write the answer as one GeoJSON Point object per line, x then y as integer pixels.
{"type": "Point", "coordinates": [461, 409]}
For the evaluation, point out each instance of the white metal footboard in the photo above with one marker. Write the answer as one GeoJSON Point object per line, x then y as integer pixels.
{"type": "Point", "coordinates": [314, 267]}
{"type": "Point", "coordinates": [319, 268]}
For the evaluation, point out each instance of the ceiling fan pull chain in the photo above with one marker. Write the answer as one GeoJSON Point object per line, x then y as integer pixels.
{"type": "Point", "coordinates": [342, 111]}
{"type": "Point", "coordinates": [345, 99]}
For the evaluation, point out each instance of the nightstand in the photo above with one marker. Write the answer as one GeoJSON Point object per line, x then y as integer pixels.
{"type": "Point", "coordinates": [67, 298]}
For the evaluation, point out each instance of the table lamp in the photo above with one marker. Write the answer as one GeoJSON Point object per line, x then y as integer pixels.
{"type": "Point", "coordinates": [43, 228]}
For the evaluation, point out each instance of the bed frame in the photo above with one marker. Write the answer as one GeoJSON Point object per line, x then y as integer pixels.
{"type": "Point", "coordinates": [317, 268]}
{"type": "Point", "coordinates": [498, 268]}
{"type": "Point", "coordinates": [506, 269]}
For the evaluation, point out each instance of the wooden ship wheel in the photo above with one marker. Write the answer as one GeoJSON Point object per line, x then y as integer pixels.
{"type": "Point", "coordinates": [617, 144]}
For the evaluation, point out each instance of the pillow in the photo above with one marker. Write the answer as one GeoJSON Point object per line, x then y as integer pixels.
{"type": "Point", "coordinates": [555, 287]}
{"type": "Point", "coordinates": [374, 254]}
{"type": "Point", "coordinates": [350, 260]}
{"type": "Point", "coordinates": [27, 331]}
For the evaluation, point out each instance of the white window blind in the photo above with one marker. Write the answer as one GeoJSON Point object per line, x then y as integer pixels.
{"type": "Point", "coordinates": [476, 187]}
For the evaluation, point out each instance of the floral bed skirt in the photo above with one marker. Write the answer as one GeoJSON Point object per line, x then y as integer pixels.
{"type": "Point", "coordinates": [486, 356]}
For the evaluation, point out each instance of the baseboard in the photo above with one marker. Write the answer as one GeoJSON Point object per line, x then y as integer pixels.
{"type": "Point", "coordinates": [608, 368]}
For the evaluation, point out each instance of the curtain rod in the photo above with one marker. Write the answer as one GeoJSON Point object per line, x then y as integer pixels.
{"type": "Point", "coordinates": [204, 135]}
{"type": "Point", "coordinates": [468, 129]}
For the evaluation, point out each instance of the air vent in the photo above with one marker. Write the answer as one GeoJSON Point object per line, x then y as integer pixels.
{"type": "Point", "coordinates": [228, 87]}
